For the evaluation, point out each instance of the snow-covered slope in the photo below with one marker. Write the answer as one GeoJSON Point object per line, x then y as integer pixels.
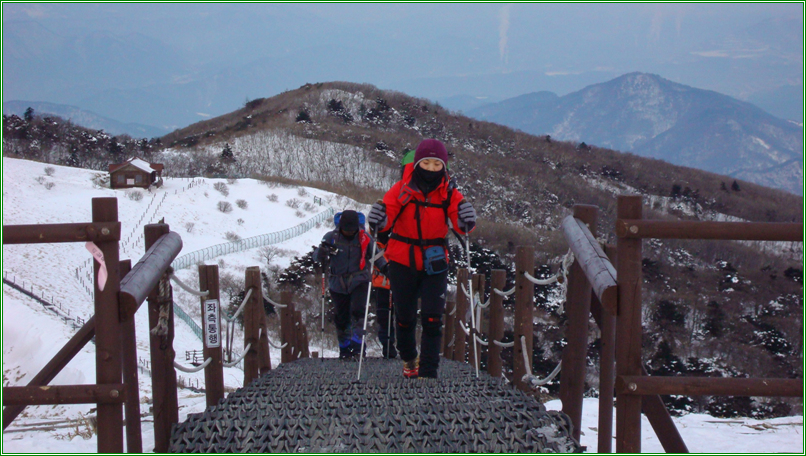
{"type": "Point", "coordinates": [32, 334]}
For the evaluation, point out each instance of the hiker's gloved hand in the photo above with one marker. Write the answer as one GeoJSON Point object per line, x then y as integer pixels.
{"type": "Point", "coordinates": [466, 216]}
{"type": "Point", "coordinates": [326, 251]}
{"type": "Point", "coordinates": [384, 270]}
{"type": "Point", "coordinates": [377, 216]}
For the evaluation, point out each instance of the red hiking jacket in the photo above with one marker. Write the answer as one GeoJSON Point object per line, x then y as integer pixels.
{"type": "Point", "coordinates": [405, 195]}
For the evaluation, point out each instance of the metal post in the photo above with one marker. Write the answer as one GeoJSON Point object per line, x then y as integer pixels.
{"type": "Point", "coordinates": [108, 330]}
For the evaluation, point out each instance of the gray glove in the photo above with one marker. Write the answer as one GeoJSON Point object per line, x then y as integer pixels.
{"type": "Point", "coordinates": [377, 216]}
{"type": "Point", "coordinates": [466, 216]}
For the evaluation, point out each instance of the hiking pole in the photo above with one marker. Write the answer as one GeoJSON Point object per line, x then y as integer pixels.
{"type": "Point", "coordinates": [472, 304]}
{"type": "Point", "coordinates": [366, 309]}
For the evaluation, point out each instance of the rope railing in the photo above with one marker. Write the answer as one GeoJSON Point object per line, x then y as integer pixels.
{"type": "Point", "coordinates": [240, 308]}
{"type": "Point", "coordinates": [528, 377]}
{"type": "Point", "coordinates": [504, 293]}
{"type": "Point", "coordinates": [191, 370]}
{"type": "Point", "coordinates": [480, 341]}
{"type": "Point", "coordinates": [240, 358]}
{"type": "Point", "coordinates": [549, 281]}
{"type": "Point", "coordinates": [183, 286]}
{"type": "Point", "coordinates": [504, 344]}
{"type": "Point", "coordinates": [197, 256]}
{"type": "Point", "coordinates": [464, 290]}
{"type": "Point", "coordinates": [479, 304]}
{"type": "Point", "coordinates": [275, 304]}
{"type": "Point", "coordinates": [277, 347]}
{"type": "Point", "coordinates": [464, 328]}
{"type": "Point", "coordinates": [568, 260]}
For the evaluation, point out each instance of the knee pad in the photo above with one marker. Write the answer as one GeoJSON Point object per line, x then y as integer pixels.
{"type": "Point", "coordinates": [432, 325]}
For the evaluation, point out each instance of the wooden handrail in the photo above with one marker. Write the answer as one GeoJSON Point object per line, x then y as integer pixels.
{"type": "Point", "coordinates": [735, 231]}
{"type": "Point", "coordinates": [639, 385]}
{"type": "Point", "coordinates": [61, 232]}
{"type": "Point", "coordinates": [146, 274]}
{"type": "Point", "coordinates": [591, 258]}
{"type": "Point", "coordinates": [63, 394]}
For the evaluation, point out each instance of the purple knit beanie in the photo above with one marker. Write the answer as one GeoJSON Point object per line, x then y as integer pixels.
{"type": "Point", "coordinates": [431, 148]}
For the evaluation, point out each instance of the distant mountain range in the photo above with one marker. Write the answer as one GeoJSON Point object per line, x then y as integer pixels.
{"type": "Point", "coordinates": [84, 118]}
{"type": "Point", "coordinates": [653, 117]}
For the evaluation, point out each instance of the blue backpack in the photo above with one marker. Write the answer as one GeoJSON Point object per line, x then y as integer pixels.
{"type": "Point", "coordinates": [362, 220]}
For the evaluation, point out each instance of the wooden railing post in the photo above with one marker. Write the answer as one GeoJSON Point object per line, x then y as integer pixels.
{"type": "Point", "coordinates": [286, 327]}
{"type": "Point", "coordinates": [478, 289]}
{"type": "Point", "coordinates": [628, 328]}
{"type": "Point", "coordinates": [211, 308]}
{"type": "Point", "coordinates": [498, 280]}
{"type": "Point", "coordinates": [163, 374]}
{"type": "Point", "coordinates": [251, 324]}
{"type": "Point", "coordinates": [578, 302]}
{"type": "Point", "coordinates": [263, 353]}
{"type": "Point", "coordinates": [108, 329]}
{"type": "Point", "coordinates": [128, 340]}
{"type": "Point", "coordinates": [607, 366]}
{"type": "Point", "coordinates": [459, 344]}
{"type": "Point", "coordinates": [524, 306]}
{"type": "Point", "coordinates": [300, 337]}
{"type": "Point", "coordinates": [306, 352]}
{"type": "Point", "coordinates": [448, 336]}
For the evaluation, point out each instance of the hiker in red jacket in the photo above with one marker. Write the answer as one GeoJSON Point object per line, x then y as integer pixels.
{"type": "Point", "coordinates": [419, 210]}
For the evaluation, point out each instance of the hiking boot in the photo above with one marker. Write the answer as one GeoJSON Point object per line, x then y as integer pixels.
{"type": "Point", "coordinates": [355, 350]}
{"type": "Point", "coordinates": [345, 353]}
{"type": "Point", "coordinates": [411, 368]}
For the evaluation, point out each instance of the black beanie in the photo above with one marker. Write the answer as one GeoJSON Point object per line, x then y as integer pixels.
{"type": "Point", "coordinates": [349, 221]}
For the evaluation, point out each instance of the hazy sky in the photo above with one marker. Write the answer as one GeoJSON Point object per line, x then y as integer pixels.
{"type": "Point", "coordinates": [222, 53]}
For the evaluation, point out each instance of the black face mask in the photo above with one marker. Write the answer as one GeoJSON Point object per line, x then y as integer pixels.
{"type": "Point", "coordinates": [349, 236]}
{"type": "Point", "coordinates": [426, 180]}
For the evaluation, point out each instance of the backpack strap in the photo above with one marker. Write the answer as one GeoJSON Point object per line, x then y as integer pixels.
{"type": "Point", "coordinates": [406, 196]}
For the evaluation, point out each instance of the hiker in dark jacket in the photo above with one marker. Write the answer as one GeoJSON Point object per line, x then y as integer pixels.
{"type": "Point", "coordinates": [347, 250]}
{"type": "Point", "coordinates": [419, 210]}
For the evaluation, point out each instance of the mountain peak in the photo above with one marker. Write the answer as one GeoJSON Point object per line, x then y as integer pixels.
{"type": "Point", "coordinates": [654, 117]}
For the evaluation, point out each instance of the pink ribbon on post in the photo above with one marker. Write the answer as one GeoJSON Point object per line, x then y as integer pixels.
{"type": "Point", "coordinates": [99, 257]}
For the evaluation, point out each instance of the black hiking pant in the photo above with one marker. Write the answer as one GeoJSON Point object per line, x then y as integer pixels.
{"type": "Point", "coordinates": [407, 286]}
{"type": "Point", "coordinates": [349, 317]}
